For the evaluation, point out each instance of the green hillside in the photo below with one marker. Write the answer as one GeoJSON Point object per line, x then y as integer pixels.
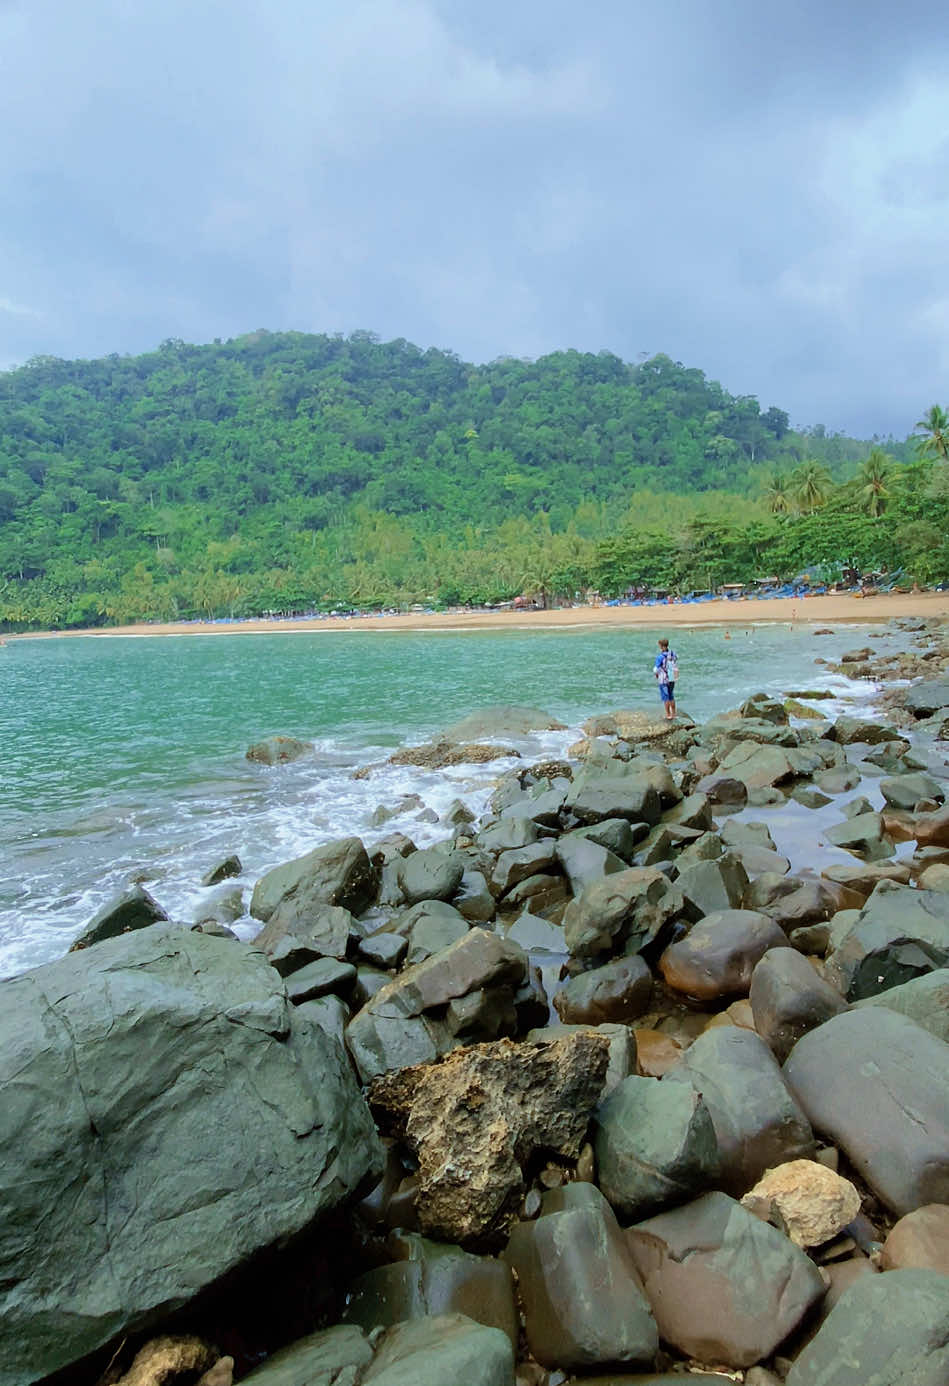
{"type": "Point", "coordinates": [280, 471]}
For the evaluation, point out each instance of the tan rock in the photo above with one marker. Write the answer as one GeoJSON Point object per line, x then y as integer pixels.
{"type": "Point", "coordinates": [814, 1203]}
{"type": "Point", "coordinates": [656, 1053]}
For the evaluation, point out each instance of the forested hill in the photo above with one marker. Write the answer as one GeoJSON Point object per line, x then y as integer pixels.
{"type": "Point", "coordinates": [252, 443]}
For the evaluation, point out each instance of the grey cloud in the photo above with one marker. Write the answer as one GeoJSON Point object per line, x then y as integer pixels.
{"type": "Point", "coordinates": [762, 195]}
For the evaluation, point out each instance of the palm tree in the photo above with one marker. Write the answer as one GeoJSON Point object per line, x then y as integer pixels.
{"type": "Point", "coordinates": [872, 478]}
{"type": "Point", "coordinates": [812, 485]}
{"type": "Point", "coordinates": [935, 424]}
{"type": "Point", "coordinates": [778, 494]}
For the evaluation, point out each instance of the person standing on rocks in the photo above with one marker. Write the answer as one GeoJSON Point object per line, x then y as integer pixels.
{"type": "Point", "coordinates": [666, 670]}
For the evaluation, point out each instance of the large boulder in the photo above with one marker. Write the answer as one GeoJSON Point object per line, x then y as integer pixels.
{"type": "Point", "coordinates": [501, 719]}
{"type": "Point", "coordinates": [724, 1286]}
{"type": "Point", "coordinates": [620, 990]}
{"type": "Point", "coordinates": [718, 956]}
{"type": "Point", "coordinates": [583, 1301]}
{"type": "Point", "coordinates": [447, 1348]}
{"type": "Point", "coordinates": [927, 698]}
{"type": "Point", "coordinates": [323, 934]}
{"type": "Point", "coordinates": [622, 796]}
{"type": "Point", "coordinates": [758, 1122]}
{"type": "Point", "coordinates": [338, 873]}
{"type": "Point", "coordinates": [655, 1144]}
{"type": "Point", "coordinates": [477, 1117]}
{"type": "Point", "coordinates": [757, 766]}
{"type": "Point", "coordinates": [421, 1013]}
{"type": "Point", "coordinates": [887, 1330]}
{"type": "Point", "coordinates": [431, 874]}
{"type": "Point", "coordinates": [901, 933]}
{"type": "Point", "coordinates": [877, 1085]}
{"type": "Point", "coordinates": [925, 1000]}
{"type": "Point", "coordinates": [788, 998]}
{"type": "Point", "coordinates": [627, 909]}
{"type": "Point", "coordinates": [164, 1115]}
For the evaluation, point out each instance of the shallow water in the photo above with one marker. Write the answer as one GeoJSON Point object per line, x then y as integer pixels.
{"type": "Point", "coordinates": [124, 757]}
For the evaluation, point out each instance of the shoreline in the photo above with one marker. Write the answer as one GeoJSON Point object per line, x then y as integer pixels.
{"type": "Point", "coordinates": [832, 608]}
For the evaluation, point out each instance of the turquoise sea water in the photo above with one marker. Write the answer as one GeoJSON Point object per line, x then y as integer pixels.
{"type": "Point", "coordinates": [124, 757]}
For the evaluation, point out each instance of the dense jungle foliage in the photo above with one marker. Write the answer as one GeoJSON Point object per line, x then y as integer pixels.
{"type": "Point", "coordinates": [283, 471]}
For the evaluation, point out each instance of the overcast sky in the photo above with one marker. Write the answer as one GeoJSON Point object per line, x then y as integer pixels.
{"type": "Point", "coordinates": [759, 189]}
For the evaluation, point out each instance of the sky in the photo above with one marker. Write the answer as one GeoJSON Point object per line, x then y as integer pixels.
{"type": "Point", "coordinates": [760, 190]}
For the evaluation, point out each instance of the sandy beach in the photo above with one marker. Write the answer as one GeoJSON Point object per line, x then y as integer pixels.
{"type": "Point", "coordinates": [825, 610]}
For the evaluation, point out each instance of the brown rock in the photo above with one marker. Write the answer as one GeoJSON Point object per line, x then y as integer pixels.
{"type": "Point", "coordinates": [921, 1239]}
{"type": "Point", "coordinates": [719, 955]}
{"type": "Point", "coordinates": [618, 991]}
{"type": "Point", "coordinates": [788, 998]}
{"type": "Point", "coordinates": [473, 1119]}
{"type": "Point", "coordinates": [932, 829]}
{"type": "Point", "coordinates": [435, 755]}
{"type": "Point", "coordinates": [656, 1053]}
{"type": "Point", "coordinates": [814, 1203]}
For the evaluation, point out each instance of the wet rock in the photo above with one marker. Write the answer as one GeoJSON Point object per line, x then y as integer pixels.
{"type": "Point", "coordinates": [877, 1085]}
{"type": "Point", "coordinates": [865, 878]}
{"type": "Point", "coordinates": [838, 779]}
{"type": "Point", "coordinates": [319, 978]}
{"type": "Point", "coordinates": [656, 1053]}
{"type": "Point", "coordinates": [737, 833]}
{"type": "Point", "coordinates": [431, 874]}
{"type": "Point", "coordinates": [724, 1286]}
{"type": "Point", "coordinates": [323, 1357]}
{"type": "Point", "coordinates": [436, 755]}
{"type": "Point", "coordinates": [544, 895]}
{"type": "Point", "coordinates": [919, 1240]}
{"type": "Point", "coordinates": [430, 1278]}
{"type": "Point", "coordinates": [900, 934]}
{"type": "Point", "coordinates": [924, 1000]}
{"type": "Point", "coordinates": [723, 789]}
{"type": "Point", "coordinates": [221, 906]}
{"type": "Point", "coordinates": [518, 863]}
{"type": "Point", "coordinates": [854, 808]}
{"type": "Point", "coordinates": [278, 750]}
{"type": "Point", "coordinates": [457, 814]}
{"type": "Point", "coordinates": [230, 866]}
{"type": "Point", "coordinates": [794, 708]}
{"type": "Point", "coordinates": [130, 1208]}
{"type": "Point", "coordinates": [758, 767]}
{"type": "Point", "coordinates": [811, 902]}
{"type": "Point", "coordinates": [614, 797]}
{"type": "Point", "coordinates": [813, 1203]}
{"type": "Point", "coordinates": [758, 1122]}
{"type": "Point", "coordinates": [536, 935]}
{"type": "Point", "coordinates": [768, 709]}
{"type": "Point", "coordinates": [473, 900]}
{"type": "Point", "coordinates": [890, 1330]}
{"type": "Point", "coordinates": [627, 910]}
{"type": "Point", "coordinates": [863, 834]}
{"type": "Point", "coordinates": [813, 939]}
{"type": "Point", "coordinates": [788, 999]}
{"type": "Point", "coordinates": [810, 796]}
{"type": "Point", "coordinates": [655, 1144]}
{"type": "Point", "coordinates": [133, 909]}
{"type": "Point", "coordinates": [847, 730]}
{"type": "Point", "coordinates": [617, 835]}
{"type": "Point", "coordinates": [338, 873]}
{"type": "Point", "coordinates": [712, 886]}
{"type": "Point", "coordinates": [543, 809]}
{"type": "Point", "coordinates": [758, 860]}
{"type": "Point", "coordinates": [583, 1303]}
{"type": "Point", "coordinates": [403, 1023]}
{"type": "Point", "coordinates": [718, 956]}
{"type": "Point", "coordinates": [476, 1117]}
{"type": "Point", "coordinates": [619, 991]}
{"type": "Point", "coordinates": [614, 841]}
{"type": "Point", "coordinates": [906, 791]}
{"type": "Point", "coordinates": [932, 829]}
{"type": "Point", "coordinates": [927, 699]}
{"type": "Point", "coordinates": [447, 1348]}
{"type": "Point", "coordinates": [293, 937]}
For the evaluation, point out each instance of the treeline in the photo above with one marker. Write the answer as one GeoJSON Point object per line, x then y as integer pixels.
{"type": "Point", "coordinates": [284, 472]}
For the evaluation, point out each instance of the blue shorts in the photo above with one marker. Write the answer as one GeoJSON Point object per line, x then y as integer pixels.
{"type": "Point", "coordinates": [667, 692]}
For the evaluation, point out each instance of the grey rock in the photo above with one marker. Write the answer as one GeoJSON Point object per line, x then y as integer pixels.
{"type": "Point", "coordinates": [583, 1304]}
{"type": "Point", "coordinates": [788, 999]}
{"type": "Point", "coordinates": [430, 874]}
{"type": "Point", "coordinates": [338, 873]}
{"type": "Point", "coordinates": [536, 935]}
{"type": "Point", "coordinates": [319, 979]}
{"type": "Point", "coordinates": [330, 1014]}
{"type": "Point", "coordinates": [847, 730]}
{"type": "Point", "coordinates": [133, 909]}
{"type": "Point", "coordinates": [586, 861]}
{"type": "Point", "coordinates": [385, 949]}
{"type": "Point", "coordinates": [709, 886]}
{"type": "Point", "coordinates": [543, 895]}
{"type": "Point", "coordinates": [508, 834]}
{"type": "Point", "coordinates": [877, 1085]}
{"type": "Point", "coordinates": [626, 909]}
{"type": "Point", "coordinates": [863, 834]}
{"type": "Point", "coordinates": [924, 1000]}
{"type": "Point", "coordinates": [518, 863]}
{"type": "Point", "coordinates": [617, 835]}
{"type": "Point", "coordinates": [293, 937]}
{"type": "Point", "coordinates": [905, 791]}
{"type": "Point", "coordinates": [838, 779]}
{"type": "Point", "coordinates": [115, 1064]}
{"type": "Point", "coordinates": [900, 934]}
{"type": "Point", "coordinates": [447, 1348]}
{"type": "Point", "coordinates": [758, 1122]}
{"type": "Point", "coordinates": [887, 1330]}
{"type": "Point", "coordinates": [230, 866]}
{"type": "Point", "coordinates": [928, 698]}
{"type": "Point", "coordinates": [614, 797]}
{"type": "Point", "coordinates": [473, 900]}
{"type": "Point", "coordinates": [655, 1144]}
{"type": "Point", "coordinates": [317, 1359]}
{"type": "Point", "coordinates": [810, 796]}
{"type": "Point", "coordinates": [221, 906]}
{"type": "Point", "coordinates": [502, 719]}
{"type": "Point", "coordinates": [693, 812]}
{"type": "Point", "coordinates": [758, 767]}
{"type": "Point", "coordinates": [724, 1286]}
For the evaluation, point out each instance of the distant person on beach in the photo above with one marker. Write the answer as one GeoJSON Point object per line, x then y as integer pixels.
{"type": "Point", "coordinates": [666, 670]}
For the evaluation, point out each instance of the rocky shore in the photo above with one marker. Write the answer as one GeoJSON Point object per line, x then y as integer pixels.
{"type": "Point", "coordinates": [628, 1081]}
